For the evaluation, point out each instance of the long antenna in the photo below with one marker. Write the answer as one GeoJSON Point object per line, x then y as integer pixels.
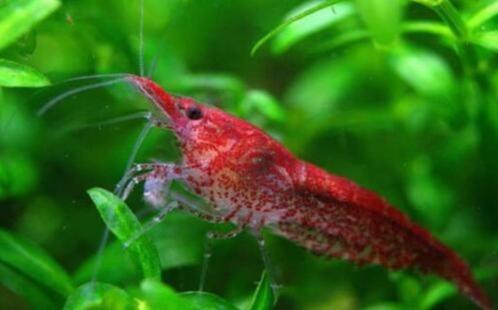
{"type": "Point", "coordinates": [141, 38]}
{"type": "Point", "coordinates": [100, 255]}
{"type": "Point", "coordinates": [131, 159]}
{"type": "Point", "coordinates": [75, 91]}
{"type": "Point", "coordinates": [153, 66]}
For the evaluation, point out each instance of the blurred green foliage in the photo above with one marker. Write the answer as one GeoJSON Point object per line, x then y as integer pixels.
{"type": "Point", "coordinates": [400, 96]}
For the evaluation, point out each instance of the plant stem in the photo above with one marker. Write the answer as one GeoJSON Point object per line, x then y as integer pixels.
{"type": "Point", "coordinates": [450, 15]}
{"type": "Point", "coordinates": [468, 55]}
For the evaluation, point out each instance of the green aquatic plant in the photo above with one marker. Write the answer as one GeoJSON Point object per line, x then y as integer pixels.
{"type": "Point", "coordinates": [399, 95]}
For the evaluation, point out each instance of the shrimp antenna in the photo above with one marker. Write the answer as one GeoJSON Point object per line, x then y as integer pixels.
{"type": "Point", "coordinates": [47, 106]}
{"type": "Point", "coordinates": [141, 137]}
{"type": "Point", "coordinates": [153, 66]}
{"type": "Point", "coordinates": [120, 119]}
{"type": "Point", "coordinates": [138, 143]}
{"type": "Point", "coordinates": [112, 121]}
{"type": "Point", "coordinates": [141, 39]}
{"type": "Point", "coordinates": [92, 76]}
{"type": "Point", "coordinates": [100, 254]}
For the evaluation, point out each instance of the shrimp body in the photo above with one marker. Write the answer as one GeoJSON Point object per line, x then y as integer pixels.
{"type": "Point", "coordinates": [253, 181]}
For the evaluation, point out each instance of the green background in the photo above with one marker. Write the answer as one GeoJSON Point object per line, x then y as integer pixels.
{"type": "Point", "coordinates": [399, 96]}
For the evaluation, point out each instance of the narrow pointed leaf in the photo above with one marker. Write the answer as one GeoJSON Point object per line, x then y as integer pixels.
{"type": "Point", "coordinates": [14, 74]}
{"type": "Point", "coordinates": [429, 3]}
{"type": "Point", "coordinates": [34, 263]}
{"type": "Point", "coordinates": [429, 27]}
{"type": "Point", "coordinates": [17, 17]}
{"type": "Point", "coordinates": [483, 15]}
{"type": "Point", "coordinates": [23, 286]}
{"type": "Point", "coordinates": [125, 226]}
{"type": "Point", "coordinates": [263, 296]}
{"type": "Point", "coordinates": [313, 23]}
{"type": "Point", "coordinates": [316, 8]}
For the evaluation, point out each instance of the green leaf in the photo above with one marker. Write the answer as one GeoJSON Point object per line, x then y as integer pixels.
{"type": "Point", "coordinates": [436, 294]}
{"type": "Point", "coordinates": [13, 74]}
{"type": "Point", "coordinates": [449, 14]}
{"type": "Point", "coordinates": [382, 18]}
{"type": "Point", "coordinates": [96, 295]}
{"type": "Point", "coordinates": [429, 3]}
{"type": "Point", "coordinates": [310, 24]}
{"type": "Point", "coordinates": [486, 13]}
{"type": "Point", "coordinates": [425, 71]}
{"type": "Point", "coordinates": [264, 103]}
{"type": "Point", "coordinates": [263, 296]}
{"type": "Point", "coordinates": [207, 301]}
{"type": "Point", "coordinates": [34, 263]}
{"type": "Point", "coordinates": [487, 39]}
{"type": "Point", "coordinates": [429, 27]}
{"type": "Point", "coordinates": [178, 231]}
{"type": "Point", "coordinates": [24, 287]}
{"type": "Point", "coordinates": [316, 8]}
{"type": "Point", "coordinates": [160, 296]}
{"type": "Point", "coordinates": [123, 223]}
{"type": "Point", "coordinates": [17, 17]}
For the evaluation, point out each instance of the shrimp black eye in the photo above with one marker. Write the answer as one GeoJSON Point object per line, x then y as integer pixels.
{"type": "Point", "coordinates": [194, 113]}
